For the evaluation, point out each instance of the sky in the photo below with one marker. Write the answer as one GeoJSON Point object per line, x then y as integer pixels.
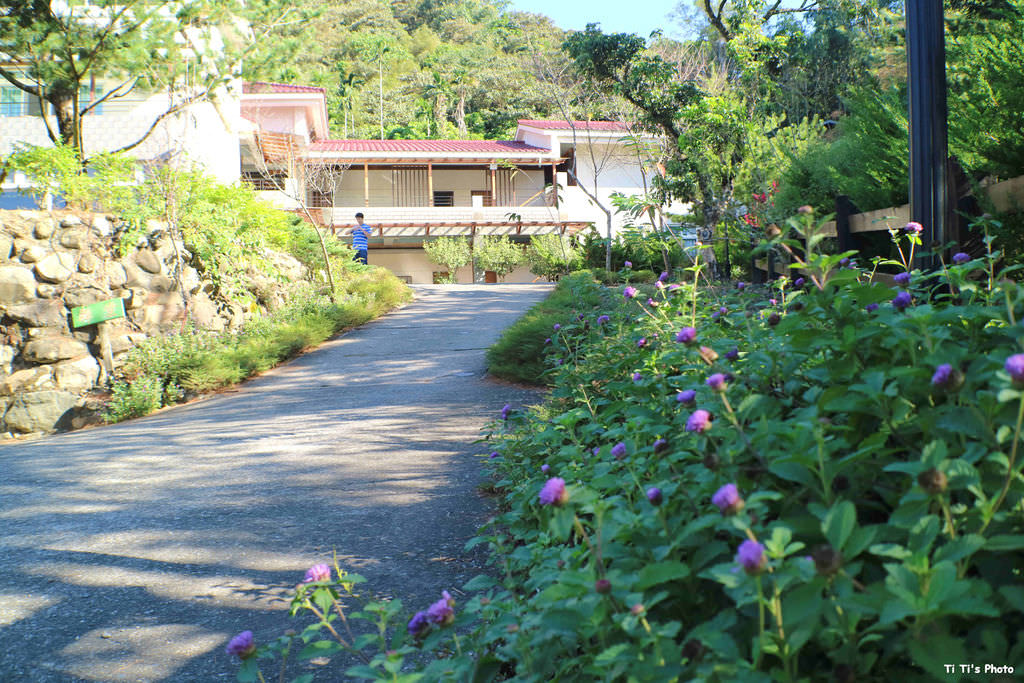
{"type": "Point", "coordinates": [615, 16]}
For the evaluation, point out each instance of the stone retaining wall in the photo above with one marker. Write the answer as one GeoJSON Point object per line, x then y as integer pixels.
{"type": "Point", "coordinates": [53, 262]}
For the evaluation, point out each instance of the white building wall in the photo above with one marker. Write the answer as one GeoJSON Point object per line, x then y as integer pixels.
{"type": "Point", "coordinates": [202, 135]}
{"type": "Point", "coordinates": [413, 263]}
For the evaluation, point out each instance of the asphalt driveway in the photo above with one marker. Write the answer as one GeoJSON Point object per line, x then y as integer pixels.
{"type": "Point", "coordinates": [134, 552]}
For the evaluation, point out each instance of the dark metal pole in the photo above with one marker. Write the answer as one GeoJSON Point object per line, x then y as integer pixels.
{"type": "Point", "coordinates": [926, 84]}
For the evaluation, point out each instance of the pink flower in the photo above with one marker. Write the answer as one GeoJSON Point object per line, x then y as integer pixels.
{"type": "Point", "coordinates": [699, 421]}
{"type": "Point", "coordinates": [318, 572]}
{"type": "Point", "coordinates": [554, 492]}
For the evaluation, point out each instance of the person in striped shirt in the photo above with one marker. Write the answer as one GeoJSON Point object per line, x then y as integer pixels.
{"type": "Point", "coordinates": [360, 233]}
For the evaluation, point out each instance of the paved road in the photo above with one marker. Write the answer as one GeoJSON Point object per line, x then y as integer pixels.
{"type": "Point", "coordinates": [134, 552]}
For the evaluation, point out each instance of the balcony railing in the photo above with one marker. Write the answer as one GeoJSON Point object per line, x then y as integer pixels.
{"type": "Point", "coordinates": [343, 215]}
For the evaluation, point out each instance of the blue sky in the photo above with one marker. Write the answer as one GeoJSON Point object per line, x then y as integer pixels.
{"type": "Point", "coordinates": [615, 16]}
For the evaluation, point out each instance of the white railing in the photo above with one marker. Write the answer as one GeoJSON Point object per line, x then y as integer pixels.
{"type": "Point", "coordinates": [344, 215]}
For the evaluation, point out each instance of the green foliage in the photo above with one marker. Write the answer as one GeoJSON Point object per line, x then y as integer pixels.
{"type": "Point", "coordinates": [499, 254]}
{"type": "Point", "coordinates": [877, 459]}
{"type": "Point", "coordinates": [552, 256]}
{"type": "Point", "coordinates": [58, 171]}
{"type": "Point", "coordinates": [462, 68]}
{"type": "Point", "coordinates": [866, 159]}
{"type": "Point", "coordinates": [519, 354]}
{"type": "Point", "coordinates": [644, 248]}
{"type": "Point", "coordinates": [163, 370]}
{"type": "Point", "coordinates": [985, 57]}
{"type": "Point", "coordinates": [451, 252]}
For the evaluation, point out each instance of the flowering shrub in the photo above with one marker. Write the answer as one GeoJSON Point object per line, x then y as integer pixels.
{"type": "Point", "coordinates": [840, 499]}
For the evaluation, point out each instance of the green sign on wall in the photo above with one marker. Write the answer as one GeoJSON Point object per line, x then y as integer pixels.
{"type": "Point", "coordinates": [97, 312]}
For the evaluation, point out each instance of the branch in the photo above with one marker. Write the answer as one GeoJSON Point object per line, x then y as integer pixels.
{"type": "Point", "coordinates": [112, 95]}
{"type": "Point", "coordinates": [172, 110]}
{"type": "Point", "coordinates": [9, 77]}
{"type": "Point", "coordinates": [716, 18]}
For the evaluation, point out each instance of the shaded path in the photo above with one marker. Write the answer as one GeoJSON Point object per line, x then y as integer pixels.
{"type": "Point", "coordinates": [134, 552]}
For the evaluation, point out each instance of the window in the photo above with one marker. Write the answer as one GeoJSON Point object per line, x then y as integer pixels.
{"type": "Point", "coordinates": [271, 180]}
{"type": "Point", "coordinates": [321, 200]}
{"type": "Point", "coordinates": [486, 194]}
{"type": "Point", "coordinates": [12, 101]}
{"type": "Point", "coordinates": [85, 98]}
{"type": "Point", "coordinates": [444, 198]}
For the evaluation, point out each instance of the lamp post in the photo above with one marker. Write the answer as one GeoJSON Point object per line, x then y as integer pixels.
{"type": "Point", "coordinates": [926, 84]}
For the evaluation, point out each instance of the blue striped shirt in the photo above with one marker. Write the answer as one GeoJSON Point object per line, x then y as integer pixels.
{"type": "Point", "coordinates": [359, 235]}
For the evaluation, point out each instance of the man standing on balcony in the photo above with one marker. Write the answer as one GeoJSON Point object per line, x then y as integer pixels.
{"type": "Point", "coordinates": [360, 233]}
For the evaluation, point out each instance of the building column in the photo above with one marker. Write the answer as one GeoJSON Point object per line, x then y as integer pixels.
{"type": "Point", "coordinates": [366, 184]}
{"type": "Point", "coordinates": [430, 184]}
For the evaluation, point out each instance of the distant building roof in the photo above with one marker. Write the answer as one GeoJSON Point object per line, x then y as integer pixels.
{"type": "Point", "coordinates": [469, 146]}
{"type": "Point", "coordinates": [262, 87]}
{"type": "Point", "coordinates": [563, 124]}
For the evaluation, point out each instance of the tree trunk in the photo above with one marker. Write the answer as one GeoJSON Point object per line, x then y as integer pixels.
{"type": "Point", "coordinates": [67, 124]}
{"type": "Point", "coordinates": [460, 115]}
{"type": "Point", "coordinates": [440, 109]}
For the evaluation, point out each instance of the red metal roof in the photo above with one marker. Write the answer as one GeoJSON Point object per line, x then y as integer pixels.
{"type": "Point", "coordinates": [467, 146]}
{"type": "Point", "coordinates": [562, 124]}
{"type": "Point", "coordinates": [253, 87]}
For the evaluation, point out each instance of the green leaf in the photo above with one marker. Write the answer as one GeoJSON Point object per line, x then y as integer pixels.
{"type": "Point", "coordinates": [562, 522]}
{"type": "Point", "coordinates": [661, 572]}
{"type": "Point", "coordinates": [609, 655]}
{"type": "Point", "coordinates": [480, 582]}
{"type": "Point", "coordinates": [839, 523]}
{"type": "Point", "coordinates": [248, 672]}
{"type": "Point", "coordinates": [890, 550]}
{"type": "Point", "coordinates": [1005, 542]}
{"type": "Point", "coordinates": [960, 548]}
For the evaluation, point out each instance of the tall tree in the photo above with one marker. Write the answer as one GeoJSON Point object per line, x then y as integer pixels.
{"type": "Point", "coordinates": [189, 48]}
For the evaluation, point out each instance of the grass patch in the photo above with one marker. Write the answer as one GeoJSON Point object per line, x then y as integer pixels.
{"type": "Point", "coordinates": [165, 370]}
{"type": "Point", "coordinates": [519, 354]}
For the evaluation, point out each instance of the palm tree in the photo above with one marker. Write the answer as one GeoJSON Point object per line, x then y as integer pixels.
{"type": "Point", "coordinates": [347, 87]}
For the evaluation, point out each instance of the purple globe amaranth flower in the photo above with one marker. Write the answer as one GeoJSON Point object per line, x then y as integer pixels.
{"type": "Point", "coordinates": [554, 492]}
{"type": "Point", "coordinates": [652, 303]}
{"type": "Point", "coordinates": [545, 467]}
{"type": "Point", "coordinates": [799, 282]}
{"type": "Point", "coordinates": [505, 411]}
{"type": "Point", "coordinates": [902, 279]}
{"type": "Point", "coordinates": [871, 308]}
{"type": "Point", "coordinates": [961, 258]}
{"type": "Point", "coordinates": [1014, 367]}
{"type": "Point", "coordinates": [442, 612]}
{"type": "Point", "coordinates": [659, 284]}
{"type": "Point", "coordinates": [716, 381]}
{"type": "Point", "coordinates": [902, 300]}
{"type": "Point", "coordinates": [751, 557]}
{"type": "Point", "coordinates": [946, 377]}
{"type": "Point", "coordinates": [663, 276]}
{"type": "Point", "coordinates": [699, 421]}
{"type": "Point", "coordinates": [674, 287]}
{"type": "Point", "coordinates": [318, 572]}
{"type": "Point", "coordinates": [687, 335]}
{"type": "Point", "coordinates": [732, 354]}
{"type": "Point", "coordinates": [654, 495]}
{"type": "Point", "coordinates": [741, 285]}
{"type": "Point", "coordinates": [641, 342]}
{"type": "Point", "coordinates": [686, 396]}
{"type": "Point", "coordinates": [595, 450]}
{"type": "Point", "coordinates": [773, 302]}
{"type": "Point", "coordinates": [242, 645]}
{"type": "Point", "coordinates": [603, 586]}
{"type": "Point", "coordinates": [548, 340]}
{"type": "Point", "coordinates": [628, 264]}
{"type": "Point", "coordinates": [843, 262]}
{"type": "Point", "coordinates": [629, 292]}
{"type": "Point", "coordinates": [602, 319]}
{"type": "Point", "coordinates": [418, 624]}
{"type": "Point", "coordinates": [495, 454]}
{"type": "Point", "coordinates": [637, 377]}
{"type": "Point", "coordinates": [728, 499]}
{"type": "Point", "coordinates": [556, 327]}
{"type": "Point", "coordinates": [619, 451]}
{"type": "Point", "coordinates": [913, 227]}
{"type": "Point", "coordinates": [660, 445]}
